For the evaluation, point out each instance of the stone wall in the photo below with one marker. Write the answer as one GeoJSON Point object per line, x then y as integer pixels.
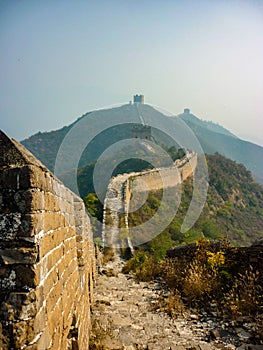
{"type": "Point", "coordinates": [156, 179]}
{"type": "Point", "coordinates": [123, 187]}
{"type": "Point", "coordinates": [47, 262]}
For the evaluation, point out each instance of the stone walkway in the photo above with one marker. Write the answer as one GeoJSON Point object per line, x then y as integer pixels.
{"type": "Point", "coordinates": [124, 318]}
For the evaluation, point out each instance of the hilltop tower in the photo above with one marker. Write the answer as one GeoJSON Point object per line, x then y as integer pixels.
{"type": "Point", "coordinates": [140, 131]}
{"type": "Point", "coordinates": [138, 99]}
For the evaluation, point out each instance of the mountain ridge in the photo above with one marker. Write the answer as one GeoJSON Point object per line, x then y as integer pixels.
{"type": "Point", "coordinates": [212, 137]}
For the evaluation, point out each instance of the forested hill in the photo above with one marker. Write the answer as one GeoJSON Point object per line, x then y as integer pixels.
{"type": "Point", "coordinates": [212, 137]}
{"type": "Point", "coordinates": [233, 210]}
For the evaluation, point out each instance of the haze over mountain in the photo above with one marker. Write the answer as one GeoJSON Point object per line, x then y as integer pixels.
{"type": "Point", "coordinates": [212, 137]}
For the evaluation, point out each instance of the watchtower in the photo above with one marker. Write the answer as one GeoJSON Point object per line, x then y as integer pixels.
{"type": "Point", "coordinates": [138, 99]}
{"type": "Point", "coordinates": [140, 131]}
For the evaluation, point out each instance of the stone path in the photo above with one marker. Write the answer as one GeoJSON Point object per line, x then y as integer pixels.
{"type": "Point", "coordinates": [124, 318]}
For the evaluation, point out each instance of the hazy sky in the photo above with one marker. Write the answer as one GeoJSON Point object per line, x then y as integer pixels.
{"type": "Point", "coordinates": [60, 59]}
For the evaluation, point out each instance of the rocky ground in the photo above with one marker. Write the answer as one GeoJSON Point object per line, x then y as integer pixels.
{"type": "Point", "coordinates": [126, 316]}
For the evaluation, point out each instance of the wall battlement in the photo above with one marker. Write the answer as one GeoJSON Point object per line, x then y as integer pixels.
{"type": "Point", "coordinates": [47, 261]}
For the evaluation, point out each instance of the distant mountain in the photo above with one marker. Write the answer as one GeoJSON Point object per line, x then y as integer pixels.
{"type": "Point", "coordinates": [209, 125]}
{"type": "Point", "coordinates": [212, 137]}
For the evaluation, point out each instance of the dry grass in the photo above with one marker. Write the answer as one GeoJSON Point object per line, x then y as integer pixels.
{"type": "Point", "coordinates": [108, 255]}
{"type": "Point", "coordinates": [172, 305]}
{"type": "Point", "coordinates": [245, 296]}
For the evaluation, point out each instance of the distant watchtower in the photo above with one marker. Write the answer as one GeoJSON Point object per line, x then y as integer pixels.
{"type": "Point", "coordinates": [138, 99]}
{"type": "Point", "coordinates": [187, 110]}
{"type": "Point", "coordinates": [140, 131]}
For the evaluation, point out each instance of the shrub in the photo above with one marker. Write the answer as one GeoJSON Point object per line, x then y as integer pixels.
{"type": "Point", "coordinates": [197, 283]}
{"type": "Point", "coordinates": [108, 255]}
{"type": "Point", "coordinates": [245, 296]}
{"type": "Point", "coordinates": [143, 266]}
{"type": "Point", "coordinates": [172, 305]}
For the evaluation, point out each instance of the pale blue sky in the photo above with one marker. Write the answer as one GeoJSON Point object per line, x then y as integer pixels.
{"type": "Point", "coordinates": [60, 59]}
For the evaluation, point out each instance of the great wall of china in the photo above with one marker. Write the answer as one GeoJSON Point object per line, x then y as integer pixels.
{"type": "Point", "coordinates": [47, 260]}
{"type": "Point", "coordinates": [47, 256]}
{"type": "Point", "coordinates": [124, 187]}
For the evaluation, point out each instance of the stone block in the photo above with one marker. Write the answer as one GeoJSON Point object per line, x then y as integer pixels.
{"type": "Point", "coordinates": [54, 295]}
{"type": "Point", "coordinates": [50, 240]}
{"type": "Point", "coordinates": [20, 255]}
{"type": "Point", "coordinates": [50, 281]}
{"type": "Point", "coordinates": [40, 297]}
{"type": "Point", "coordinates": [8, 203]}
{"type": "Point", "coordinates": [69, 243]}
{"type": "Point", "coordinates": [49, 182]}
{"type": "Point", "coordinates": [53, 221]}
{"type": "Point", "coordinates": [21, 277]}
{"type": "Point", "coordinates": [57, 338]}
{"type": "Point", "coordinates": [51, 202]}
{"type": "Point", "coordinates": [25, 276]}
{"type": "Point", "coordinates": [31, 225]}
{"type": "Point", "coordinates": [72, 268]}
{"type": "Point", "coordinates": [205, 346]}
{"type": "Point", "coordinates": [25, 177]}
{"type": "Point", "coordinates": [44, 341]}
{"type": "Point", "coordinates": [19, 306]}
{"type": "Point", "coordinates": [40, 321]}
{"type": "Point", "coordinates": [10, 225]}
{"type": "Point", "coordinates": [53, 258]}
{"type": "Point", "coordinates": [54, 315]}
{"type": "Point", "coordinates": [29, 200]}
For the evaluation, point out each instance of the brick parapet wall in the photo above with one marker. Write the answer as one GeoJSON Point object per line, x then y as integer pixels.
{"type": "Point", "coordinates": [47, 259]}
{"type": "Point", "coordinates": [156, 179]}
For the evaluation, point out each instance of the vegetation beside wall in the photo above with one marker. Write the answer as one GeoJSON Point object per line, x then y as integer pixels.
{"type": "Point", "coordinates": [209, 279]}
{"type": "Point", "coordinates": [233, 209]}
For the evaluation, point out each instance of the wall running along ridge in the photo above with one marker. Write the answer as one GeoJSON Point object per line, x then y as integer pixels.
{"type": "Point", "coordinates": [122, 187]}
{"type": "Point", "coordinates": [47, 261]}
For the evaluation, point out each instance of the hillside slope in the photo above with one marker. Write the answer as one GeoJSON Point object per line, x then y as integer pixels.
{"type": "Point", "coordinates": [233, 209]}
{"type": "Point", "coordinates": [212, 137]}
{"type": "Point", "coordinates": [227, 144]}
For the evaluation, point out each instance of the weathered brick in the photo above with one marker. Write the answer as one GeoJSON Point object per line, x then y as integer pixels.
{"type": "Point", "coordinates": [71, 268]}
{"type": "Point", "coordinates": [45, 340]}
{"type": "Point", "coordinates": [31, 224]}
{"type": "Point", "coordinates": [69, 244]}
{"type": "Point", "coordinates": [29, 200]}
{"type": "Point", "coordinates": [25, 276]}
{"type": "Point", "coordinates": [54, 295]}
{"type": "Point", "coordinates": [19, 255]}
{"type": "Point", "coordinates": [57, 338]}
{"type": "Point", "coordinates": [50, 281]}
{"type": "Point", "coordinates": [40, 269]}
{"type": "Point", "coordinates": [51, 202]}
{"type": "Point", "coordinates": [50, 240]}
{"type": "Point", "coordinates": [40, 297]}
{"type": "Point", "coordinates": [54, 315]}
